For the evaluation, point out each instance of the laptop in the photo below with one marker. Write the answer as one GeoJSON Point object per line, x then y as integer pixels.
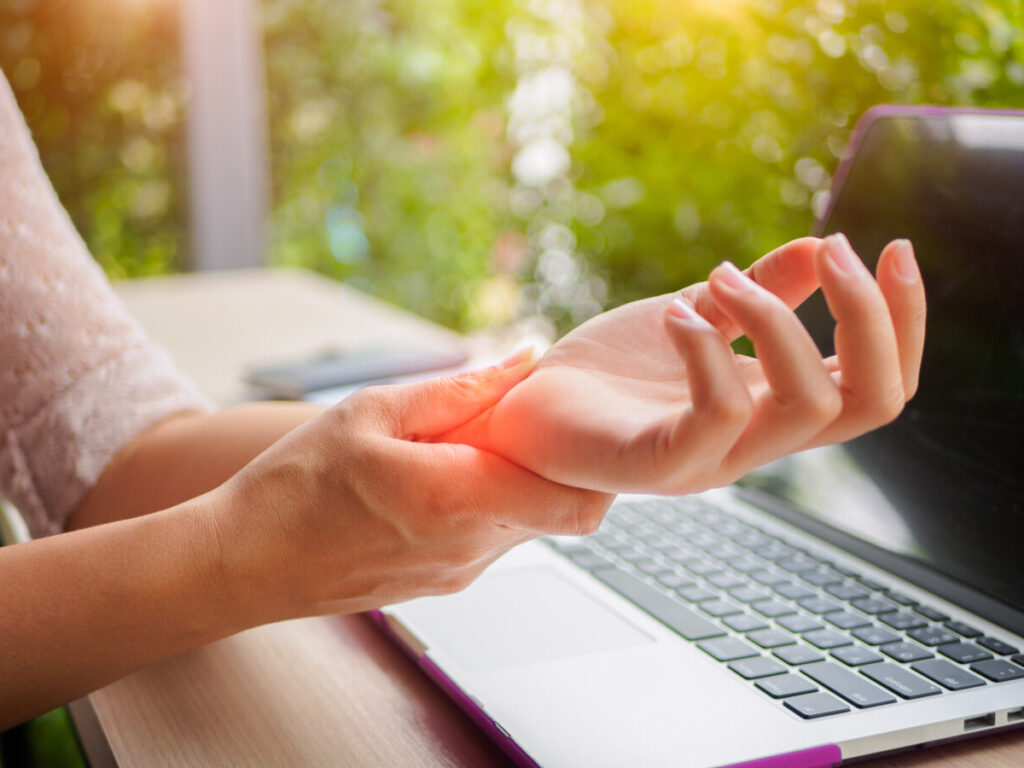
{"type": "Point", "coordinates": [840, 603]}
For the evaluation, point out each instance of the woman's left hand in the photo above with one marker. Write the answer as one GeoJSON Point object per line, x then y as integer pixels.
{"type": "Point", "coordinates": [649, 397]}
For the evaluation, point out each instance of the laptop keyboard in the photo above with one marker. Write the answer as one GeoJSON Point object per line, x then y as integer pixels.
{"type": "Point", "coordinates": [819, 638]}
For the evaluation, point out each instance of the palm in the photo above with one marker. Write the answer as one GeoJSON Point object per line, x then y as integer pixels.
{"type": "Point", "coordinates": [601, 406]}
{"type": "Point", "coordinates": [602, 401]}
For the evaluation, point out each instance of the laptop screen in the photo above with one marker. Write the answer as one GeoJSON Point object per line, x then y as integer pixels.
{"type": "Point", "coordinates": [944, 483]}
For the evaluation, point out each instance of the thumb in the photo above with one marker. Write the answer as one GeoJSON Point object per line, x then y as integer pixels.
{"type": "Point", "coordinates": [424, 409]}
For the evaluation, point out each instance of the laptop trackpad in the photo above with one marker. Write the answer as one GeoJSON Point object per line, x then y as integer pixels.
{"type": "Point", "coordinates": [511, 618]}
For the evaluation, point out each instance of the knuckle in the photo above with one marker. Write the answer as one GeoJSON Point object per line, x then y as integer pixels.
{"type": "Point", "coordinates": [891, 408]}
{"type": "Point", "coordinates": [730, 409]}
{"type": "Point", "coordinates": [824, 407]}
{"type": "Point", "coordinates": [886, 407]}
{"type": "Point", "coordinates": [587, 524]}
{"type": "Point", "coordinates": [590, 511]}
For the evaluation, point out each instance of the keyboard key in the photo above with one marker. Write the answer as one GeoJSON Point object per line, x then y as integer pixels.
{"type": "Point", "coordinates": [589, 560]}
{"type": "Point", "coordinates": [632, 555]}
{"type": "Point", "coordinates": [875, 635]}
{"type": "Point", "coordinates": [903, 620]}
{"type": "Point", "coordinates": [963, 629]}
{"type": "Point", "coordinates": [1018, 659]}
{"type": "Point", "coordinates": [798, 654]}
{"type": "Point", "coordinates": [748, 594]}
{"type": "Point", "coordinates": [726, 580]}
{"type": "Point", "coordinates": [773, 608]}
{"type": "Point", "coordinates": [781, 686]}
{"type": "Point", "coordinates": [947, 674]}
{"type": "Point", "coordinates": [775, 552]}
{"type": "Point", "coordinates": [852, 687]}
{"type": "Point", "coordinates": [752, 540]}
{"type": "Point", "coordinates": [652, 567]}
{"type": "Point", "coordinates": [703, 567]}
{"type": "Point", "coordinates": [745, 564]}
{"type": "Point", "coordinates": [567, 545]}
{"type": "Point", "coordinates": [757, 667]}
{"type": "Point", "coordinates": [794, 591]}
{"type": "Point", "coordinates": [798, 564]}
{"type": "Point", "coordinates": [874, 606]}
{"type": "Point", "coordinates": [848, 572]}
{"type": "Point", "coordinates": [998, 670]}
{"type": "Point", "coordinates": [870, 584]}
{"type": "Point", "coordinates": [675, 580]}
{"type": "Point", "coordinates": [997, 647]}
{"type": "Point", "coordinates": [771, 638]}
{"type": "Point", "coordinates": [823, 577]}
{"type": "Point", "coordinates": [723, 551]}
{"type": "Point", "coordinates": [846, 620]}
{"type": "Point", "coordinates": [719, 608]}
{"type": "Point", "coordinates": [664, 545]}
{"type": "Point", "coordinates": [931, 613]}
{"type": "Point", "coordinates": [769, 578]}
{"type": "Point", "coordinates": [932, 636]}
{"type": "Point", "coordinates": [900, 681]}
{"type": "Point", "coordinates": [819, 605]}
{"type": "Point", "coordinates": [801, 622]}
{"type": "Point", "coordinates": [676, 617]}
{"type": "Point", "coordinates": [727, 648]}
{"type": "Point", "coordinates": [815, 705]}
{"type": "Point", "coordinates": [696, 594]}
{"type": "Point", "coordinates": [847, 591]}
{"type": "Point", "coordinates": [744, 622]}
{"type": "Point", "coordinates": [902, 599]}
{"type": "Point", "coordinates": [855, 656]}
{"type": "Point", "coordinates": [826, 639]}
{"type": "Point", "coordinates": [964, 653]}
{"type": "Point", "coordinates": [905, 652]}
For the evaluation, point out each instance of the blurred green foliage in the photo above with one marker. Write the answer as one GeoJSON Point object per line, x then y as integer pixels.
{"type": "Point", "coordinates": [100, 84]}
{"type": "Point", "coordinates": [386, 133]}
{"type": "Point", "coordinates": [697, 131]}
{"type": "Point", "coordinates": [731, 117]}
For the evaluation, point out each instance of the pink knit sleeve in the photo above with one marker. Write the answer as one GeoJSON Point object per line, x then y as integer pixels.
{"type": "Point", "coordinates": [78, 377]}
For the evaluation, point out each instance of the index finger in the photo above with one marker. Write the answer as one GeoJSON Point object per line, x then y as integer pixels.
{"type": "Point", "coordinates": [788, 272]}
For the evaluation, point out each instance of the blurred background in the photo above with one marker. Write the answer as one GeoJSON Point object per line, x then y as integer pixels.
{"type": "Point", "coordinates": [485, 161]}
{"type": "Point", "coordinates": [479, 162]}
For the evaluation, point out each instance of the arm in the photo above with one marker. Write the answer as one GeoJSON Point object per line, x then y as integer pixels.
{"type": "Point", "coordinates": [183, 457]}
{"type": "Point", "coordinates": [82, 609]}
{"type": "Point", "coordinates": [353, 510]}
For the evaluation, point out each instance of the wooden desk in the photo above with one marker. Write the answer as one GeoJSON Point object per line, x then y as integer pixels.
{"type": "Point", "coordinates": [329, 691]}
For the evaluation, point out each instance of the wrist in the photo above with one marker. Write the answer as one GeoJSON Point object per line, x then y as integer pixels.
{"type": "Point", "coordinates": [245, 560]}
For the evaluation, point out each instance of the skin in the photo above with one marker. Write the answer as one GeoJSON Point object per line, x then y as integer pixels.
{"type": "Point", "coordinates": [352, 510]}
{"type": "Point", "coordinates": [269, 513]}
{"type": "Point", "coordinates": [649, 397]}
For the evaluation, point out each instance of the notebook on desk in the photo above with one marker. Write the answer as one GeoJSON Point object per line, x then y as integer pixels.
{"type": "Point", "coordinates": [843, 602]}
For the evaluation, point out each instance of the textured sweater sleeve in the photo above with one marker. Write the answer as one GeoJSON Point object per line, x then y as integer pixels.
{"type": "Point", "coordinates": [78, 377]}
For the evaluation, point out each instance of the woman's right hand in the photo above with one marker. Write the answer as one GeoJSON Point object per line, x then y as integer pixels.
{"type": "Point", "coordinates": [356, 509]}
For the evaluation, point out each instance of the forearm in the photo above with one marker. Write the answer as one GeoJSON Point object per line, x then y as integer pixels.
{"type": "Point", "coordinates": [84, 608]}
{"type": "Point", "coordinates": [185, 456]}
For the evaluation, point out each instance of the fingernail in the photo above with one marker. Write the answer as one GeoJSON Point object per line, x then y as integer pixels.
{"type": "Point", "coordinates": [527, 354]}
{"type": "Point", "coordinates": [906, 264]}
{"type": "Point", "coordinates": [683, 310]}
{"type": "Point", "coordinates": [732, 277]}
{"type": "Point", "coordinates": [841, 254]}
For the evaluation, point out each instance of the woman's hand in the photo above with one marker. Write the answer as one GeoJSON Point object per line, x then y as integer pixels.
{"type": "Point", "coordinates": [357, 509]}
{"type": "Point", "coordinates": [649, 397]}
